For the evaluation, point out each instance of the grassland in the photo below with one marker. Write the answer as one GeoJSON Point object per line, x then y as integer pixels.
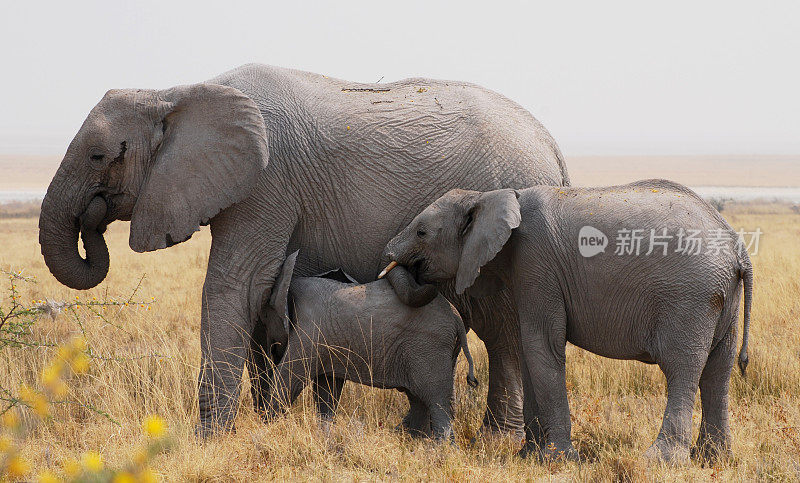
{"type": "Point", "coordinates": [147, 363]}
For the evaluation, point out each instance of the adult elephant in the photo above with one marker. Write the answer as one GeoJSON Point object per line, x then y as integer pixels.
{"type": "Point", "coordinates": [275, 160]}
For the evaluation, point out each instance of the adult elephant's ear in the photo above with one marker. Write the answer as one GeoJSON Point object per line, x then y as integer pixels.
{"type": "Point", "coordinates": [485, 228]}
{"type": "Point", "coordinates": [210, 146]}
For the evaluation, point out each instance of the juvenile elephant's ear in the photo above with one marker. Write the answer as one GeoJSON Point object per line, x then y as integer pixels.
{"type": "Point", "coordinates": [213, 146]}
{"type": "Point", "coordinates": [486, 227]}
{"type": "Point", "coordinates": [279, 298]}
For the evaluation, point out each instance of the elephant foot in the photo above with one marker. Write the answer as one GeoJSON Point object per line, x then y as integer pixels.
{"type": "Point", "coordinates": [709, 451]}
{"type": "Point", "coordinates": [550, 452]}
{"type": "Point", "coordinates": [664, 452]}
{"type": "Point", "coordinates": [502, 427]}
{"type": "Point", "coordinates": [416, 433]}
{"type": "Point", "coordinates": [204, 430]}
{"type": "Point", "coordinates": [325, 425]}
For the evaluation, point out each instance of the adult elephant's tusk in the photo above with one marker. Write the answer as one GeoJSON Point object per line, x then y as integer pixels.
{"type": "Point", "coordinates": [387, 269]}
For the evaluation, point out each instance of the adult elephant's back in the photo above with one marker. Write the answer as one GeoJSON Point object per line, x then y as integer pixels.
{"type": "Point", "coordinates": [369, 157]}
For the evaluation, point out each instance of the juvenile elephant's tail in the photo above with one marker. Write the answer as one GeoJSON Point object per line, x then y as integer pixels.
{"type": "Point", "coordinates": [462, 339]}
{"type": "Point", "coordinates": [746, 274]}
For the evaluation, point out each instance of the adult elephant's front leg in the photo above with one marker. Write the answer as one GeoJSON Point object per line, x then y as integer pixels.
{"type": "Point", "coordinates": [225, 331]}
{"type": "Point", "coordinates": [495, 323]}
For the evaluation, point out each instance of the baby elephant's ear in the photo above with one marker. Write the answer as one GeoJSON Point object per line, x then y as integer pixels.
{"type": "Point", "coordinates": [280, 290]}
{"type": "Point", "coordinates": [486, 228]}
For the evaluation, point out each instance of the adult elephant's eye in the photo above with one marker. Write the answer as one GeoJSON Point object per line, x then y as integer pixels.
{"type": "Point", "coordinates": [97, 157]}
{"type": "Point", "coordinates": [421, 233]}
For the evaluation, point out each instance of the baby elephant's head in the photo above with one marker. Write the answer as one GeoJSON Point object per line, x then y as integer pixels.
{"type": "Point", "coordinates": [456, 235]}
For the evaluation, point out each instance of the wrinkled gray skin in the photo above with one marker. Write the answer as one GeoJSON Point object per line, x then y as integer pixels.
{"type": "Point", "coordinates": [333, 167]}
{"type": "Point", "coordinates": [677, 310]}
{"type": "Point", "coordinates": [363, 333]}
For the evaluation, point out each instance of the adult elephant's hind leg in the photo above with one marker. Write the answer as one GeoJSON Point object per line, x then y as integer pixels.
{"type": "Point", "coordinates": [714, 439]}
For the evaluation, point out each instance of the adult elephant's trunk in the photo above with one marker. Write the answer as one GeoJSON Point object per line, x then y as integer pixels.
{"type": "Point", "coordinates": [58, 236]}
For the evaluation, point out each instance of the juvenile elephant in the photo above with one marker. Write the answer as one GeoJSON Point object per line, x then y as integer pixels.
{"type": "Point", "coordinates": [340, 330]}
{"type": "Point", "coordinates": [675, 305]}
{"type": "Point", "coordinates": [330, 166]}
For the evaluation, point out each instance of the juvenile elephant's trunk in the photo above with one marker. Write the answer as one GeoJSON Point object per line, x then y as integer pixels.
{"type": "Point", "coordinates": [58, 237]}
{"type": "Point", "coordinates": [408, 290]}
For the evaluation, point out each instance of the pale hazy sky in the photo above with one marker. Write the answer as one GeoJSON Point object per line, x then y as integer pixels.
{"type": "Point", "coordinates": [604, 77]}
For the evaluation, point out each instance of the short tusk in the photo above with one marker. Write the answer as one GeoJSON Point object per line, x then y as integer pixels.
{"type": "Point", "coordinates": [387, 269]}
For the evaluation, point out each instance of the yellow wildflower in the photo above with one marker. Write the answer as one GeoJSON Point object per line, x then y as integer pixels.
{"type": "Point", "coordinates": [47, 477]}
{"type": "Point", "coordinates": [10, 419]}
{"type": "Point", "coordinates": [39, 403]}
{"type": "Point", "coordinates": [79, 344]}
{"type": "Point", "coordinates": [5, 443]}
{"type": "Point", "coordinates": [59, 389]}
{"type": "Point", "coordinates": [154, 426]}
{"type": "Point", "coordinates": [17, 467]}
{"type": "Point", "coordinates": [80, 364]}
{"type": "Point", "coordinates": [93, 461]}
{"type": "Point", "coordinates": [64, 353]}
{"type": "Point", "coordinates": [51, 375]}
{"type": "Point", "coordinates": [140, 457]}
{"type": "Point", "coordinates": [148, 476]}
{"type": "Point", "coordinates": [71, 467]}
{"type": "Point", "coordinates": [124, 477]}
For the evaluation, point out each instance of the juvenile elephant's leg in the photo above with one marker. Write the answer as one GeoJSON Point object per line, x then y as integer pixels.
{"type": "Point", "coordinates": [495, 323]}
{"type": "Point", "coordinates": [417, 421]}
{"type": "Point", "coordinates": [442, 420]}
{"type": "Point", "coordinates": [290, 379]}
{"type": "Point", "coordinates": [714, 439]}
{"type": "Point", "coordinates": [225, 331]}
{"type": "Point", "coordinates": [672, 443]}
{"type": "Point", "coordinates": [543, 341]}
{"type": "Point", "coordinates": [259, 368]}
{"type": "Point", "coordinates": [681, 359]}
{"type": "Point", "coordinates": [534, 434]}
{"type": "Point", "coordinates": [327, 391]}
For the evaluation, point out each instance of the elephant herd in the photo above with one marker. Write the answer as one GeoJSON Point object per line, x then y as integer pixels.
{"type": "Point", "coordinates": [312, 184]}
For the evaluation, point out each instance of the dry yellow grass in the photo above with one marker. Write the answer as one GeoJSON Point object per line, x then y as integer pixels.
{"type": "Point", "coordinates": [150, 360]}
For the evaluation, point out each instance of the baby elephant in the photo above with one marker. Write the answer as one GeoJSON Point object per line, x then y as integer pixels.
{"type": "Point", "coordinates": [645, 271]}
{"type": "Point", "coordinates": [341, 331]}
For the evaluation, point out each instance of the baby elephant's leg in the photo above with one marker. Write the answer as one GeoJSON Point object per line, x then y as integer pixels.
{"type": "Point", "coordinates": [327, 391]}
{"type": "Point", "coordinates": [442, 420]}
{"type": "Point", "coordinates": [417, 422]}
{"type": "Point", "coordinates": [437, 396]}
{"type": "Point", "coordinates": [290, 379]}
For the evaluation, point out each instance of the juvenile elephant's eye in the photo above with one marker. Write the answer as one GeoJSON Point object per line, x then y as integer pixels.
{"type": "Point", "coordinates": [421, 233]}
{"type": "Point", "coordinates": [97, 157]}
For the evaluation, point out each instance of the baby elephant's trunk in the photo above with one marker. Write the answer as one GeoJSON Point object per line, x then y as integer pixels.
{"type": "Point", "coordinates": [462, 339]}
